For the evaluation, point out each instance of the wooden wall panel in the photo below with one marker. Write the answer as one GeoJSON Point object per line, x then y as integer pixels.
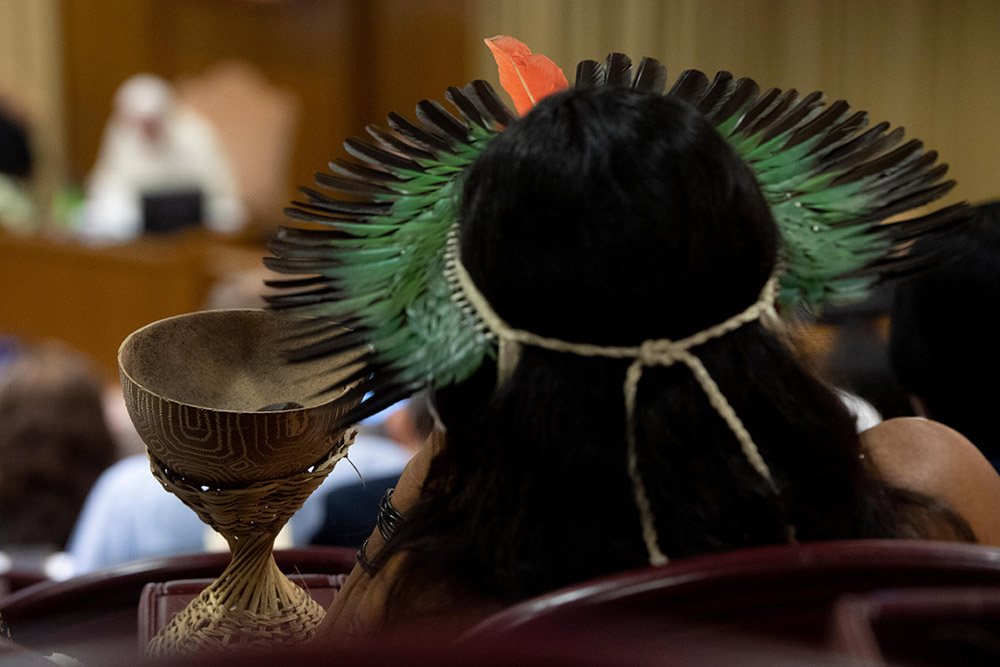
{"type": "Point", "coordinates": [928, 65]}
{"type": "Point", "coordinates": [103, 44]}
{"type": "Point", "coordinates": [416, 50]}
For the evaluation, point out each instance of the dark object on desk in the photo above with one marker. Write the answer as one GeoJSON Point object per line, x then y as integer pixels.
{"type": "Point", "coordinates": [169, 211]}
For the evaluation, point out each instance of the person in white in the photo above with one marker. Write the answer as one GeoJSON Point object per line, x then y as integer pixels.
{"type": "Point", "coordinates": [153, 143]}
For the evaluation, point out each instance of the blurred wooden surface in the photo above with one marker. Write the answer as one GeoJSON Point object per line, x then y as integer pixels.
{"type": "Point", "coordinates": [92, 297]}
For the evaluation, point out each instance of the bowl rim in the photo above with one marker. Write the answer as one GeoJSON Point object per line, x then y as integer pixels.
{"type": "Point", "coordinates": [146, 389]}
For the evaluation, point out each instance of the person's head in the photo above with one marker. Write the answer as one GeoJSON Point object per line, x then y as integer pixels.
{"type": "Point", "coordinates": [612, 217]}
{"type": "Point", "coordinates": [144, 103]}
{"type": "Point", "coordinates": [945, 329]}
{"type": "Point", "coordinates": [54, 442]}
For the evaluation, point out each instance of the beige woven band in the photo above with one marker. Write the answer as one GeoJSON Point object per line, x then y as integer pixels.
{"type": "Point", "coordinates": [662, 352]}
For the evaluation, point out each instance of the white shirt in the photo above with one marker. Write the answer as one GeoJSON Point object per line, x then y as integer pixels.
{"type": "Point", "coordinates": [188, 156]}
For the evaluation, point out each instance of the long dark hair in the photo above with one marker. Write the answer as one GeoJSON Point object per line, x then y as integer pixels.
{"type": "Point", "coordinates": [612, 217]}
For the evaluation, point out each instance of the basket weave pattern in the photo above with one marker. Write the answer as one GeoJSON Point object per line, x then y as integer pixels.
{"type": "Point", "coordinates": [252, 603]}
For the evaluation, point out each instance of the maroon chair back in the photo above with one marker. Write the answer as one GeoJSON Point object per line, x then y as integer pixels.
{"type": "Point", "coordinates": [160, 601]}
{"type": "Point", "coordinates": [15, 580]}
{"type": "Point", "coordinates": [782, 594]}
{"type": "Point", "coordinates": [95, 615]}
{"type": "Point", "coordinates": [927, 626]}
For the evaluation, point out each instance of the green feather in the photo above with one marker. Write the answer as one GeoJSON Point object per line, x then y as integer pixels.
{"type": "Point", "coordinates": [387, 271]}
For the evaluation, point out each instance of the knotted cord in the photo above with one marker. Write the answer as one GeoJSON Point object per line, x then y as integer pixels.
{"type": "Point", "coordinates": [659, 352]}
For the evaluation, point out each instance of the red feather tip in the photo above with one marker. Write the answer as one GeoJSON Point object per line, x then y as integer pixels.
{"type": "Point", "coordinates": [526, 77]}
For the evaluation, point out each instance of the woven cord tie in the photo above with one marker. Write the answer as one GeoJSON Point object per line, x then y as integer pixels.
{"type": "Point", "coordinates": [659, 352]}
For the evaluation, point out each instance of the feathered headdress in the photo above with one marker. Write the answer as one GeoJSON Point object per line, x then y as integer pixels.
{"type": "Point", "coordinates": [375, 275]}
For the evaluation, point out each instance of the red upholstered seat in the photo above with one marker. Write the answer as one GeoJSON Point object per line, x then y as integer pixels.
{"type": "Point", "coordinates": [15, 580]}
{"type": "Point", "coordinates": [93, 616]}
{"type": "Point", "coordinates": [767, 605]}
{"type": "Point", "coordinates": [775, 595]}
{"type": "Point", "coordinates": [160, 601]}
{"type": "Point", "coordinates": [947, 626]}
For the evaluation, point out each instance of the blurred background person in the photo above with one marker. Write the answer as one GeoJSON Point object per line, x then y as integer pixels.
{"type": "Point", "coordinates": [158, 153]}
{"type": "Point", "coordinates": [945, 328]}
{"type": "Point", "coordinates": [54, 443]}
{"type": "Point", "coordinates": [17, 208]}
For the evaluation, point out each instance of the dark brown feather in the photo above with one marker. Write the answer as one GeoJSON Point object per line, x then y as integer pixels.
{"type": "Point", "coordinates": [355, 170]}
{"type": "Point", "coordinates": [908, 151]}
{"type": "Point", "coordinates": [619, 71]}
{"type": "Point", "coordinates": [482, 95]}
{"type": "Point", "coordinates": [651, 76]}
{"type": "Point", "coordinates": [429, 144]}
{"type": "Point", "coordinates": [860, 149]}
{"type": "Point", "coordinates": [910, 179]}
{"type": "Point", "coordinates": [378, 157]}
{"type": "Point", "coordinates": [385, 390]}
{"type": "Point", "coordinates": [328, 219]}
{"type": "Point", "coordinates": [718, 92]}
{"type": "Point", "coordinates": [762, 106]}
{"type": "Point", "coordinates": [842, 132]}
{"type": "Point", "coordinates": [435, 118]}
{"type": "Point", "coordinates": [469, 112]}
{"type": "Point", "coordinates": [292, 266]}
{"type": "Point", "coordinates": [344, 185]}
{"type": "Point", "coordinates": [590, 74]}
{"type": "Point", "coordinates": [347, 207]}
{"type": "Point", "coordinates": [777, 109]}
{"type": "Point", "coordinates": [301, 252]}
{"type": "Point", "coordinates": [833, 114]}
{"type": "Point", "coordinates": [306, 333]}
{"type": "Point", "coordinates": [295, 283]}
{"type": "Point", "coordinates": [801, 113]}
{"type": "Point", "coordinates": [315, 237]}
{"type": "Point", "coordinates": [743, 97]}
{"type": "Point", "coordinates": [936, 222]}
{"type": "Point", "coordinates": [690, 86]}
{"type": "Point", "coordinates": [906, 203]}
{"type": "Point", "coordinates": [301, 298]}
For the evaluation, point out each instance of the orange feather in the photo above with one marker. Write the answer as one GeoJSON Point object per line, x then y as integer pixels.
{"type": "Point", "coordinates": [525, 76]}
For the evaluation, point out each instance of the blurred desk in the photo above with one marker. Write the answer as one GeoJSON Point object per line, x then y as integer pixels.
{"type": "Point", "coordinates": [93, 296]}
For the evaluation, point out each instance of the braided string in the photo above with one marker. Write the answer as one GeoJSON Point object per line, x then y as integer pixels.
{"type": "Point", "coordinates": [660, 352]}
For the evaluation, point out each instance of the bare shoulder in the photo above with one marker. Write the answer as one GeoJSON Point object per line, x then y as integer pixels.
{"type": "Point", "coordinates": [915, 443]}
{"type": "Point", "coordinates": [930, 458]}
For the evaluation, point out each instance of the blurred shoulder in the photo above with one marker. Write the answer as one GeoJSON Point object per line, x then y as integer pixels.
{"type": "Point", "coordinates": [930, 458]}
{"type": "Point", "coordinates": [913, 452]}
